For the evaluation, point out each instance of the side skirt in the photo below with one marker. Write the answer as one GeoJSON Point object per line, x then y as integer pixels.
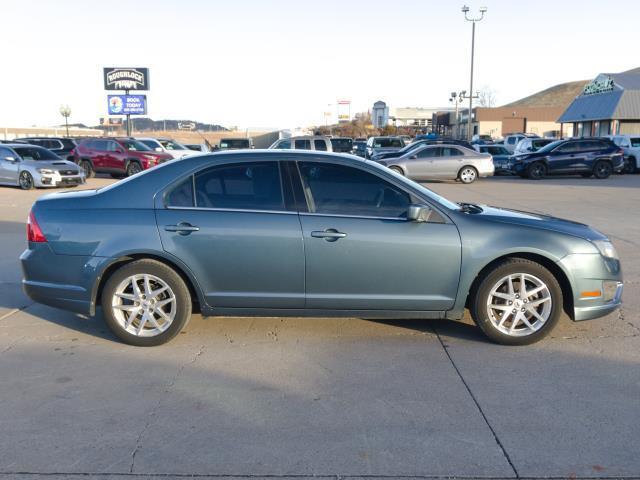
{"type": "Point", "coordinates": [285, 312]}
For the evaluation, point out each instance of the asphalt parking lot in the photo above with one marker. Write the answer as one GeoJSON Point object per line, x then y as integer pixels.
{"type": "Point", "coordinates": [276, 397]}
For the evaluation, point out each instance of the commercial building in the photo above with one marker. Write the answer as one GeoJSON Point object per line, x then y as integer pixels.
{"type": "Point", "coordinates": [537, 114]}
{"type": "Point", "coordinates": [11, 133]}
{"type": "Point", "coordinates": [609, 104]}
{"type": "Point", "coordinates": [415, 117]}
{"type": "Point", "coordinates": [380, 114]}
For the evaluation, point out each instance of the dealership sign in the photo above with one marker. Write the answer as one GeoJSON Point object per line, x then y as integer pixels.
{"type": "Point", "coordinates": [126, 78]}
{"type": "Point", "coordinates": [127, 104]}
{"type": "Point", "coordinates": [601, 84]}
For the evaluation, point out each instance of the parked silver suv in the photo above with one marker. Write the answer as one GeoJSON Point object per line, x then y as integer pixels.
{"type": "Point", "coordinates": [29, 166]}
{"type": "Point", "coordinates": [631, 146]}
{"type": "Point", "coordinates": [309, 142]}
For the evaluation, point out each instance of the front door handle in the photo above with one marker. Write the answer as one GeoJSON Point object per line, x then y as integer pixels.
{"type": "Point", "coordinates": [183, 228]}
{"type": "Point", "coordinates": [330, 235]}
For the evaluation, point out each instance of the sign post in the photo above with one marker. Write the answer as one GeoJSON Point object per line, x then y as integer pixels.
{"type": "Point", "coordinates": [119, 78]}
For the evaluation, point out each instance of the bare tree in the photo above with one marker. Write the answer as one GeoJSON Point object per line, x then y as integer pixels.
{"type": "Point", "coordinates": [487, 97]}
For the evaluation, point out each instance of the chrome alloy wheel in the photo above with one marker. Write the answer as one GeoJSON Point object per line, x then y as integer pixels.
{"type": "Point", "coordinates": [144, 305]}
{"type": "Point", "coordinates": [468, 175]}
{"type": "Point", "coordinates": [519, 304]}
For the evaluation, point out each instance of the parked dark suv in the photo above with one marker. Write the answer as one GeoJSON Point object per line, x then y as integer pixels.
{"type": "Point", "coordinates": [117, 156]}
{"type": "Point", "coordinates": [61, 146]}
{"type": "Point", "coordinates": [599, 157]}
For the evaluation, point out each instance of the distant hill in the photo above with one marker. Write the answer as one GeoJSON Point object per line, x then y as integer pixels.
{"type": "Point", "coordinates": [148, 124]}
{"type": "Point", "coordinates": [558, 96]}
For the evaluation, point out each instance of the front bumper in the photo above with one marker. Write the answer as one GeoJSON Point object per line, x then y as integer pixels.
{"type": "Point", "coordinates": [588, 275]}
{"type": "Point", "coordinates": [56, 180]}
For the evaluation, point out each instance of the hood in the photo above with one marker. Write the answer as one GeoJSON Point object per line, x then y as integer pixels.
{"type": "Point", "coordinates": [53, 164]}
{"type": "Point", "coordinates": [538, 220]}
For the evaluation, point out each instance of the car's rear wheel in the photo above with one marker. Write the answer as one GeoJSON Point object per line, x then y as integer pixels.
{"type": "Point", "coordinates": [537, 171]}
{"type": "Point", "coordinates": [25, 181]}
{"type": "Point", "coordinates": [87, 168]}
{"type": "Point", "coordinates": [468, 175]}
{"type": "Point", "coordinates": [133, 168]}
{"type": "Point", "coordinates": [517, 303]}
{"type": "Point", "coordinates": [146, 303]}
{"type": "Point", "coordinates": [397, 170]}
{"type": "Point", "coordinates": [602, 169]}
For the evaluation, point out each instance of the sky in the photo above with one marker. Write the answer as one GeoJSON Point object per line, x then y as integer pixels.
{"type": "Point", "coordinates": [283, 63]}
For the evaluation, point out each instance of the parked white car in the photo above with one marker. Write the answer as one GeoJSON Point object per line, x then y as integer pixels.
{"type": "Point", "coordinates": [631, 146]}
{"type": "Point", "coordinates": [166, 145]}
{"type": "Point", "coordinates": [304, 143]}
{"type": "Point", "coordinates": [530, 145]}
{"type": "Point", "coordinates": [510, 141]}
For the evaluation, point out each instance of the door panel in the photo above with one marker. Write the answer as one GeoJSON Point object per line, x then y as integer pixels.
{"type": "Point", "coordinates": [381, 264]}
{"type": "Point", "coordinates": [240, 259]}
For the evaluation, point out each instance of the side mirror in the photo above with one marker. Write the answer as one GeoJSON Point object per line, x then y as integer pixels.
{"type": "Point", "coordinates": [10, 159]}
{"type": "Point", "coordinates": [158, 149]}
{"type": "Point", "coordinates": [413, 157]}
{"type": "Point", "coordinates": [418, 213]}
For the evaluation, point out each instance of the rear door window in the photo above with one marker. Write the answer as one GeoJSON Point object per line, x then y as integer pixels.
{"type": "Point", "coordinates": [245, 186]}
{"type": "Point", "coordinates": [303, 144]}
{"type": "Point", "coordinates": [320, 144]}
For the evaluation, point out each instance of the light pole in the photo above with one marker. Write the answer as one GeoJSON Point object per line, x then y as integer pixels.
{"type": "Point", "coordinates": [473, 21]}
{"type": "Point", "coordinates": [65, 111]}
{"type": "Point", "coordinates": [457, 99]}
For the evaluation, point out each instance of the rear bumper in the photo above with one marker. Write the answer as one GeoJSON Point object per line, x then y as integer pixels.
{"type": "Point", "coordinates": [61, 281]}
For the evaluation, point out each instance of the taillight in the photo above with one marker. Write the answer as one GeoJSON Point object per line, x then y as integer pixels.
{"type": "Point", "coordinates": [34, 233]}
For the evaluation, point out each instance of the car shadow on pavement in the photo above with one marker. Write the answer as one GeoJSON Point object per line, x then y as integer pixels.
{"type": "Point", "coordinates": [449, 328]}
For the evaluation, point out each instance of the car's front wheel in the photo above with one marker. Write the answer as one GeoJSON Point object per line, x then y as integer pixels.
{"type": "Point", "coordinates": [397, 170]}
{"type": "Point", "coordinates": [537, 171]}
{"type": "Point", "coordinates": [25, 181]}
{"type": "Point", "coordinates": [517, 303]}
{"type": "Point", "coordinates": [146, 303]}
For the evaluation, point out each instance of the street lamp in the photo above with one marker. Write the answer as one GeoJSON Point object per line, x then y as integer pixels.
{"type": "Point", "coordinates": [473, 21]}
{"type": "Point", "coordinates": [457, 99]}
{"type": "Point", "coordinates": [65, 111]}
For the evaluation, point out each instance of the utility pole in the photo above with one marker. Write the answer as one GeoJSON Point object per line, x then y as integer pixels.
{"type": "Point", "coordinates": [457, 98]}
{"type": "Point", "coordinates": [65, 111]}
{"type": "Point", "coordinates": [473, 21]}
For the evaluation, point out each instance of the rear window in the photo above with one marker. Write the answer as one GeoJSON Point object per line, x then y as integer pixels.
{"type": "Point", "coordinates": [388, 143]}
{"type": "Point", "coordinates": [236, 143]}
{"type": "Point", "coordinates": [341, 144]}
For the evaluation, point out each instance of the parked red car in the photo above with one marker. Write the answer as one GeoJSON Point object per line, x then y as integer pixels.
{"type": "Point", "coordinates": [117, 156]}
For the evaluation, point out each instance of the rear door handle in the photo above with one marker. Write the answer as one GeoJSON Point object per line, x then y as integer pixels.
{"type": "Point", "coordinates": [183, 228]}
{"type": "Point", "coordinates": [330, 235]}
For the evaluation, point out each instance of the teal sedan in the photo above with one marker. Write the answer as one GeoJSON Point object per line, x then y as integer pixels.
{"type": "Point", "coordinates": [293, 233]}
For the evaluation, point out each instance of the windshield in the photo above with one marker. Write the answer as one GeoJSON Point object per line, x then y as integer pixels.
{"type": "Point", "coordinates": [428, 193]}
{"type": "Point", "coordinates": [36, 153]}
{"type": "Point", "coordinates": [172, 145]}
{"type": "Point", "coordinates": [388, 143]}
{"type": "Point", "coordinates": [411, 146]}
{"type": "Point", "coordinates": [550, 146]}
{"type": "Point", "coordinates": [134, 146]}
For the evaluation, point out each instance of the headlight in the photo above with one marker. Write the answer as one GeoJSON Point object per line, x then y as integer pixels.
{"type": "Point", "coordinates": [45, 171]}
{"type": "Point", "coordinates": [606, 249]}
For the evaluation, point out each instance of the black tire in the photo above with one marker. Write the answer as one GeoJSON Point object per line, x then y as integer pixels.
{"type": "Point", "coordinates": [629, 165]}
{"type": "Point", "coordinates": [467, 175]}
{"type": "Point", "coordinates": [169, 277]}
{"type": "Point", "coordinates": [484, 318]}
{"type": "Point", "coordinates": [397, 170]}
{"type": "Point", "coordinates": [87, 167]}
{"type": "Point", "coordinates": [133, 168]}
{"type": "Point", "coordinates": [25, 181]}
{"type": "Point", "coordinates": [537, 171]}
{"type": "Point", "coordinates": [602, 169]}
